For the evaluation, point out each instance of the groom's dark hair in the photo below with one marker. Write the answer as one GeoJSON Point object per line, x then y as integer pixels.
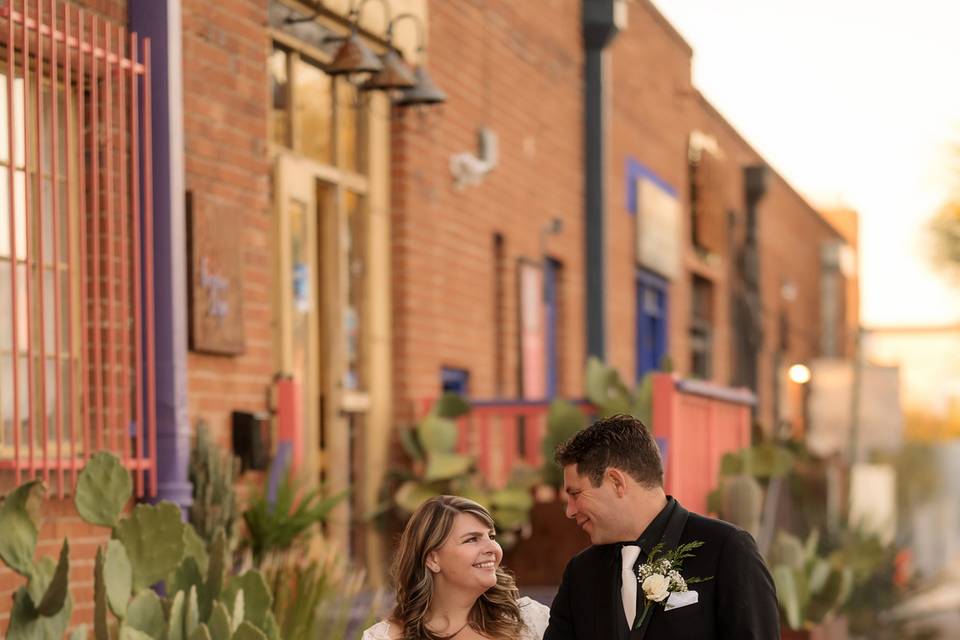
{"type": "Point", "coordinates": [620, 441]}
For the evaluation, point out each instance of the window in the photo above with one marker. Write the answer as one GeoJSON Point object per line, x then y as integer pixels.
{"type": "Point", "coordinates": [43, 257]}
{"type": "Point", "coordinates": [453, 380]}
{"type": "Point", "coordinates": [498, 325]}
{"type": "Point", "coordinates": [73, 377]}
{"type": "Point", "coordinates": [553, 324]}
{"type": "Point", "coordinates": [313, 113]}
{"type": "Point", "coordinates": [701, 328]}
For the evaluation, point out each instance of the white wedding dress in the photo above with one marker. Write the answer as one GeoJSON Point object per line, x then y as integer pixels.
{"type": "Point", "coordinates": [535, 616]}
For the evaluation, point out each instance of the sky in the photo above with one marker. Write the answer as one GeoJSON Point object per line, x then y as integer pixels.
{"type": "Point", "coordinates": [855, 103]}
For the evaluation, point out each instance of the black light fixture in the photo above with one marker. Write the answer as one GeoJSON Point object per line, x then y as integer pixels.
{"type": "Point", "coordinates": [394, 75]}
{"type": "Point", "coordinates": [354, 56]}
{"type": "Point", "coordinates": [389, 71]}
{"type": "Point", "coordinates": [423, 90]}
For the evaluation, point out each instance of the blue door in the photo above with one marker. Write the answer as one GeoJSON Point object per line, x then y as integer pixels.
{"type": "Point", "coordinates": [651, 322]}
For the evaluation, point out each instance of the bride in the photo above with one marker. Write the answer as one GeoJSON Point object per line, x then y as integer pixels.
{"type": "Point", "coordinates": [450, 585]}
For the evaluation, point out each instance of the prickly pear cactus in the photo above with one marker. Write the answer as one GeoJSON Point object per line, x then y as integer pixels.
{"type": "Point", "coordinates": [118, 575]}
{"type": "Point", "coordinates": [220, 628]}
{"type": "Point", "coordinates": [145, 614]}
{"type": "Point", "coordinates": [20, 520]}
{"type": "Point", "coordinates": [212, 473]}
{"type": "Point", "coordinates": [100, 628]}
{"type": "Point", "coordinates": [256, 596]}
{"type": "Point", "coordinates": [103, 489]}
{"type": "Point", "coordinates": [742, 502]}
{"type": "Point", "coordinates": [55, 590]}
{"type": "Point", "coordinates": [153, 538]}
{"type": "Point", "coordinates": [247, 631]}
{"type": "Point", "coordinates": [27, 624]}
{"type": "Point", "coordinates": [42, 608]}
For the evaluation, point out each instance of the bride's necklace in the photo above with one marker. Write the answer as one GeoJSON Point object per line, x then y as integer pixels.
{"type": "Point", "coordinates": [457, 632]}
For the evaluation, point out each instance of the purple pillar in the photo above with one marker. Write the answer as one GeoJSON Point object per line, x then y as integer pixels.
{"type": "Point", "coordinates": [160, 21]}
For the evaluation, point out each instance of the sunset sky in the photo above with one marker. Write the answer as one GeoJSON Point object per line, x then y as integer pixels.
{"type": "Point", "coordinates": [855, 103]}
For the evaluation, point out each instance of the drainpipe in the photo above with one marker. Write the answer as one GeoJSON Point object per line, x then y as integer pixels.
{"type": "Point", "coordinates": [160, 20]}
{"type": "Point", "coordinates": [755, 179]}
{"type": "Point", "coordinates": [601, 21]}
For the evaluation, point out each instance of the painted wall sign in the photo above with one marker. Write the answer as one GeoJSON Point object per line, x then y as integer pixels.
{"type": "Point", "coordinates": [216, 280]}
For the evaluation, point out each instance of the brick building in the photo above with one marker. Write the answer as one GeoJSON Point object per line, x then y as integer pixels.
{"type": "Point", "coordinates": [335, 260]}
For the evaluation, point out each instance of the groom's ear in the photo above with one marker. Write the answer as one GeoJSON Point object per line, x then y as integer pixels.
{"type": "Point", "coordinates": [618, 479]}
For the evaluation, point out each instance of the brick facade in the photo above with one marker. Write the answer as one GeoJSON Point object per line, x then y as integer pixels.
{"type": "Point", "coordinates": [506, 67]}
{"type": "Point", "coordinates": [515, 68]}
{"type": "Point", "coordinates": [509, 69]}
{"type": "Point", "coordinates": [226, 97]}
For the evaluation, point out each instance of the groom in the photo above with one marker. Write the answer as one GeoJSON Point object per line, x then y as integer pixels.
{"type": "Point", "coordinates": [613, 478]}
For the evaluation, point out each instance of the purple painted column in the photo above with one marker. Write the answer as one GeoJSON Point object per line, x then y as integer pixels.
{"type": "Point", "coordinates": [160, 20]}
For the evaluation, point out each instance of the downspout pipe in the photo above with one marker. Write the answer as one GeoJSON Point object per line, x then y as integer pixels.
{"type": "Point", "coordinates": [161, 21]}
{"type": "Point", "coordinates": [602, 19]}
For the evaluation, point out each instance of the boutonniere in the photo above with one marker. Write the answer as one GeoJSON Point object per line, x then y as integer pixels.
{"type": "Point", "coordinates": [661, 575]}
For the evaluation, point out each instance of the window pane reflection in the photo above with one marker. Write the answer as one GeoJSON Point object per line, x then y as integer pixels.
{"type": "Point", "coordinates": [279, 114]}
{"type": "Point", "coordinates": [312, 109]}
{"type": "Point", "coordinates": [347, 122]}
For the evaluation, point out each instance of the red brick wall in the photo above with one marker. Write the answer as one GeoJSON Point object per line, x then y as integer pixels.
{"type": "Point", "coordinates": [516, 68]}
{"type": "Point", "coordinates": [225, 90]}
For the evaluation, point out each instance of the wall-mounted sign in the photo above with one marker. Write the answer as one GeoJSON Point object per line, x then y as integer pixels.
{"type": "Point", "coordinates": [658, 212]}
{"type": "Point", "coordinates": [216, 268]}
{"type": "Point", "coordinates": [658, 228]}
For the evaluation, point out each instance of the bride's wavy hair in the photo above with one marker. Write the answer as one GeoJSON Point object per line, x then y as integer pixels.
{"type": "Point", "coordinates": [496, 614]}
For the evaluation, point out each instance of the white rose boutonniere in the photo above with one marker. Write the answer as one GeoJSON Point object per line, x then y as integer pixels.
{"type": "Point", "coordinates": [660, 576]}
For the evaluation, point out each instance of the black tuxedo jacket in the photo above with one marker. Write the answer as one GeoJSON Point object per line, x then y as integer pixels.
{"type": "Point", "coordinates": [738, 603]}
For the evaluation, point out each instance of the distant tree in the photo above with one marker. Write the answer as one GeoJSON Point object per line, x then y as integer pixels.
{"type": "Point", "coordinates": [945, 235]}
{"type": "Point", "coordinates": [944, 228]}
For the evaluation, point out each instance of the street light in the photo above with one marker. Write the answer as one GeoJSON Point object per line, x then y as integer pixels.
{"type": "Point", "coordinates": [799, 373]}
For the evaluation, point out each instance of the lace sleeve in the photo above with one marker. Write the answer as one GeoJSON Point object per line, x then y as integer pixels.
{"type": "Point", "coordinates": [536, 616]}
{"type": "Point", "coordinates": [379, 631]}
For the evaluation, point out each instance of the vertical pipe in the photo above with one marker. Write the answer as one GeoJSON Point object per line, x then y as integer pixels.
{"type": "Point", "coordinates": [14, 267]}
{"type": "Point", "coordinates": [148, 265]}
{"type": "Point", "coordinates": [55, 232]}
{"type": "Point", "coordinates": [137, 264]}
{"type": "Point", "coordinates": [601, 21]}
{"type": "Point", "coordinates": [161, 21]}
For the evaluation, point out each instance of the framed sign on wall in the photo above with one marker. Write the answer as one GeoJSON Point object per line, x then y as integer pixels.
{"type": "Point", "coordinates": [215, 277]}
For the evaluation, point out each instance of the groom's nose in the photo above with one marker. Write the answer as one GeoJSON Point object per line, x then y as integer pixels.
{"type": "Point", "coordinates": [570, 508]}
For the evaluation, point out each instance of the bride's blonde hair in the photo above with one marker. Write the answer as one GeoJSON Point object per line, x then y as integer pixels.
{"type": "Point", "coordinates": [496, 613]}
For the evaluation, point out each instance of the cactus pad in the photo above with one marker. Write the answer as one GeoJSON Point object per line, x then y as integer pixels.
{"type": "Point", "coordinates": [220, 622]}
{"type": "Point", "coordinates": [103, 489]}
{"type": "Point", "coordinates": [19, 523]}
{"type": "Point", "coordinates": [118, 575]}
{"type": "Point", "coordinates": [56, 593]}
{"type": "Point", "coordinates": [247, 631]}
{"type": "Point", "coordinates": [256, 596]}
{"type": "Point", "coordinates": [153, 537]}
{"type": "Point", "coordinates": [145, 613]}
